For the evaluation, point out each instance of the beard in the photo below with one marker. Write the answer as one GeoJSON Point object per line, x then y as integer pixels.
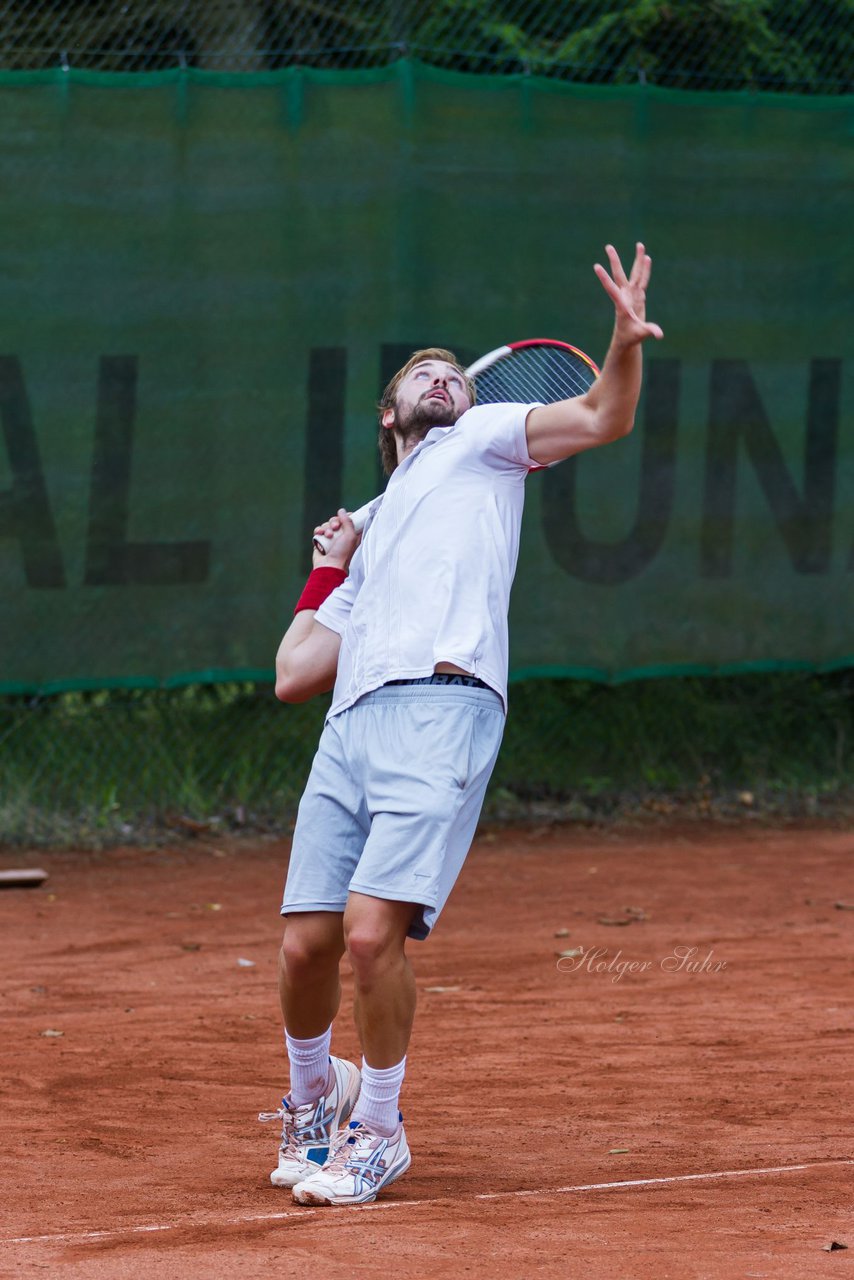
{"type": "Point", "coordinates": [415, 422]}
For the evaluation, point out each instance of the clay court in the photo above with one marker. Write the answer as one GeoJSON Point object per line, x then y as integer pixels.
{"type": "Point", "coordinates": [674, 1100]}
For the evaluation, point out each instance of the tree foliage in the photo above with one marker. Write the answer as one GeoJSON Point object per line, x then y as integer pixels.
{"type": "Point", "coordinates": [796, 45]}
{"type": "Point", "coordinates": [801, 45]}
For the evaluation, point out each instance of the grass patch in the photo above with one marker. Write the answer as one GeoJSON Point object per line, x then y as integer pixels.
{"type": "Point", "coordinates": [97, 768]}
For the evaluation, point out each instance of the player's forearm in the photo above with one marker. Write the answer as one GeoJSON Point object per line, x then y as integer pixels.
{"type": "Point", "coordinates": [307, 659]}
{"type": "Point", "coordinates": [297, 633]}
{"type": "Point", "coordinates": [614, 396]}
{"type": "Point", "coordinates": [288, 658]}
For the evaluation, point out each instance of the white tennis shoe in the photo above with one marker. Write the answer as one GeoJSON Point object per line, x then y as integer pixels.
{"type": "Point", "coordinates": [360, 1164]}
{"type": "Point", "coordinates": [307, 1131]}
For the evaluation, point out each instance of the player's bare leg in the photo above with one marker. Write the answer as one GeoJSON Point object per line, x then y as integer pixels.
{"type": "Point", "coordinates": [375, 933]}
{"type": "Point", "coordinates": [323, 1089]}
{"type": "Point", "coordinates": [309, 979]}
{"type": "Point", "coordinates": [372, 1151]}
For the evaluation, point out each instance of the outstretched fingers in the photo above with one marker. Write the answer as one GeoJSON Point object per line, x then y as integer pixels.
{"type": "Point", "coordinates": [616, 266]}
{"type": "Point", "coordinates": [628, 293]}
{"type": "Point", "coordinates": [641, 267]}
{"type": "Point", "coordinates": [612, 289]}
{"type": "Point", "coordinates": [617, 282]}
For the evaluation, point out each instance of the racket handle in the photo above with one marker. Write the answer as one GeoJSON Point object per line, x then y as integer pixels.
{"type": "Point", "coordinates": [359, 519]}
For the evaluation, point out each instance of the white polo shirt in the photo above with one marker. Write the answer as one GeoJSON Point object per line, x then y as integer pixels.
{"type": "Point", "coordinates": [430, 581]}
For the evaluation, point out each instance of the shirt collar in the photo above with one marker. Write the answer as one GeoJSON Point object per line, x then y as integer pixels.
{"type": "Point", "coordinates": [434, 434]}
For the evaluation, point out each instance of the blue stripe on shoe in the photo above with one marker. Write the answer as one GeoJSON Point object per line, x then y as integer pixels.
{"type": "Point", "coordinates": [318, 1155]}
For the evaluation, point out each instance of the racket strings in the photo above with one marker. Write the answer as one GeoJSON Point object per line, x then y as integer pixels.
{"type": "Point", "coordinates": [543, 373]}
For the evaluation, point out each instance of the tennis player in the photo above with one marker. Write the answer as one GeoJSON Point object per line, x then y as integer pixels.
{"type": "Point", "coordinates": [410, 626]}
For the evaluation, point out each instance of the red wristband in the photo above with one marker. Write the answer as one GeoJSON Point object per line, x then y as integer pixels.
{"type": "Point", "coordinates": [321, 583]}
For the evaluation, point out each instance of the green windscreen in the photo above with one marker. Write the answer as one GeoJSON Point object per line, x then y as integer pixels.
{"type": "Point", "coordinates": [207, 278]}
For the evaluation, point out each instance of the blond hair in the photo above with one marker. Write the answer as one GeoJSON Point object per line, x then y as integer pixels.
{"type": "Point", "coordinates": [387, 442]}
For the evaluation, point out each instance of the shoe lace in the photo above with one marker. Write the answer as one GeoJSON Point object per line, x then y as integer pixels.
{"type": "Point", "coordinates": [341, 1149]}
{"type": "Point", "coordinates": [266, 1116]}
{"type": "Point", "coordinates": [287, 1115]}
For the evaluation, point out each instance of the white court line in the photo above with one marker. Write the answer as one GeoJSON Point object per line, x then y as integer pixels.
{"type": "Point", "coordinates": [190, 1223]}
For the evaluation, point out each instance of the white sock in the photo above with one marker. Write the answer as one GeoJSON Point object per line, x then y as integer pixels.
{"type": "Point", "coordinates": [309, 1061]}
{"type": "Point", "coordinates": [378, 1098]}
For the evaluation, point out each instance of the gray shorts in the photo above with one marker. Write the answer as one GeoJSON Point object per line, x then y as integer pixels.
{"type": "Point", "coordinates": [393, 798]}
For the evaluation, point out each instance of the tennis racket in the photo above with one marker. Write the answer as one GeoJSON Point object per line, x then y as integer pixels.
{"type": "Point", "coordinates": [540, 369]}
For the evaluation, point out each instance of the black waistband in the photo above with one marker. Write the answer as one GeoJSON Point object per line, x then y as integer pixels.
{"type": "Point", "coordinates": [445, 677]}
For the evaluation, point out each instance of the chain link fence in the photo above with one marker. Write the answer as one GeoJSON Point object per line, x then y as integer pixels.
{"type": "Point", "coordinates": [140, 765]}
{"type": "Point", "coordinates": [805, 46]}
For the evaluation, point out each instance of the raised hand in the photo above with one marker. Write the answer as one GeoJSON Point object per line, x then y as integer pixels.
{"type": "Point", "coordinates": [628, 294]}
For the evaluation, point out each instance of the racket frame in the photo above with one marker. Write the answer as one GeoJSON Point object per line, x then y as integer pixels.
{"type": "Point", "coordinates": [501, 353]}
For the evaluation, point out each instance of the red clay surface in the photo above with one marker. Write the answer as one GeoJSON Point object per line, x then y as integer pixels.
{"type": "Point", "coordinates": [525, 1082]}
